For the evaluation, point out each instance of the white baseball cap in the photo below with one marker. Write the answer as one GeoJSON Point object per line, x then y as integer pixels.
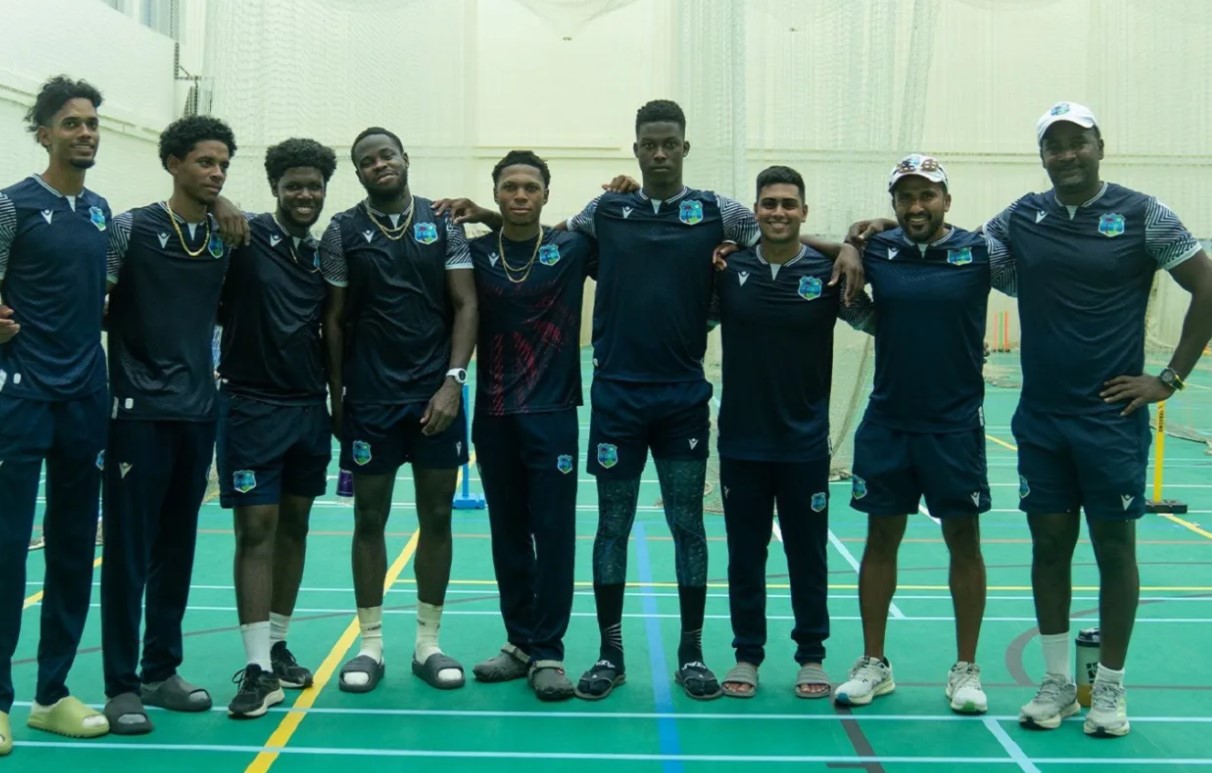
{"type": "Point", "coordinates": [917, 165]}
{"type": "Point", "coordinates": [1064, 111]}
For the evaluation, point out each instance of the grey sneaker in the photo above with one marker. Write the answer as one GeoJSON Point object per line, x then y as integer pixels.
{"type": "Point", "coordinates": [870, 678]}
{"type": "Point", "coordinates": [1108, 715]}
{"type": "Point", "coordinates": [1055, 700]}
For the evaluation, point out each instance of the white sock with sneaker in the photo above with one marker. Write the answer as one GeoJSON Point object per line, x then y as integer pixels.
{"type": "Point", "coordinates": [1056, 654]}
{"type": "Point", "coordinates": [256, 644]}
{"type": "Point", "coordinates": [278, 626]}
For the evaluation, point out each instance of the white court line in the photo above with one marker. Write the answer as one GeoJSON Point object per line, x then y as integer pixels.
{"type": "Point", "coordinates": [93, 746]}
{"type": "Point", "coordinates": [1013, 749]}
{"type": "Point", "coordinates": [893, 609]}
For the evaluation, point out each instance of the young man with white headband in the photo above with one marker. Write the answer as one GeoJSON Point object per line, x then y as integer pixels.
{"type": "Point", "coordinates": [922, 435]}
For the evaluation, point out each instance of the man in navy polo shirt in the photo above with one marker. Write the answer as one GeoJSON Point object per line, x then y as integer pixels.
{"type": "Point", "coordinates": [1086, 253]}
{"type": "Point", "coordinates": [778, 312]}
{"type": "Point", "coordinates": [922, 435]}
{"type": "Point", "coordinates": [274, 442]}
{"type": "Point", "coordinates": [52, 396]}
{"type": "Point", "coordinates": [530, 281]}
{"type": "Point", "coordinates": [400, 327]}
{"type": "Point", "coordinates": [166, 266]}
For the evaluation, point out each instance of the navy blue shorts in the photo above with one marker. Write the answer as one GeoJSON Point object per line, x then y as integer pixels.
{"type": "Point", "coordinates": [1096, 462]}
{"type": "Point", "coordinates": [895, 470]}
{"type": "Point", "coordinates": [379, 439]}
{"type": "Point", "coordinates": [265, 450]}
{"type": "Point", "coordinates": [629, 418]}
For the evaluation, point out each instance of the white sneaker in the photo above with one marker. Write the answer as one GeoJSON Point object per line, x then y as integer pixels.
{"type": "Point", "coordinates": [964, 689]}
{"type": "Point", "coordinates": [1108, 715]}
{"type": "Point", "coordinates": [1055, 700]}
{"type": "Point", "coordinates": [870, 678]}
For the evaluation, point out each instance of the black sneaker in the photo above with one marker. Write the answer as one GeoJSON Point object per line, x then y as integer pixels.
{"type": "Point", "coordinates": [258, 691]}
{"type": "Point", "coordinates": [292, 675]}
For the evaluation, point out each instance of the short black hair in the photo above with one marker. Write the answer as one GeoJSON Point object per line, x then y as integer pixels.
{"type": "Point", "coordinates": [296, 152]}
{"type": "Point", "coordinates": [776, 175]}
{"type": "Point", "coordinates": [659, 111]}
{"type": "Point", "coordinates": [526, 157]}
{"type": "Point", "coordinates": [184, 133]}
{"type": "Point", "coordinates": [371, 131]}
{"type": "Point", "coordinates": [53, 95]}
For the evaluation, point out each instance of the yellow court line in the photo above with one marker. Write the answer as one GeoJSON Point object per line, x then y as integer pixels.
{"type": "Point", "coordinates": [297, 712]}
{"type": "Point", "coordinates": [1001, 442]}
{"type": "Point", "coordinates": [1187, 525]}
{"type": "Point", "coordinates": [34, 599]}
{"type": "Point", "coordinates": [854, 586]}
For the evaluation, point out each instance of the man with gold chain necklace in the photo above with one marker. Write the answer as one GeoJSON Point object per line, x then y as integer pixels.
{"type": "Point", "coordinates": [530, 282]}
{"type": "Point", "coordinates": [273, 447]}
{"type": "Point", "coordinates": [400, 327]}
{"type": "Point", "coordinates": [166, 267]}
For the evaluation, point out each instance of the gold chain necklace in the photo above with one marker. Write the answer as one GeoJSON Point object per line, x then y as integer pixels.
{"type": "Point", "coordinates": [538, 242]}
{"type": "Point", "coordinates": [290, 245]}
{"type": "Point", "coordinates": [394, 233]}
{"type": "Point", "coordinates": [181, 237]}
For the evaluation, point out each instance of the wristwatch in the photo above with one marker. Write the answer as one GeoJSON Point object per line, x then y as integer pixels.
{"type": "Point", "coordinates": [458, 374]}
{"type": "Point", "coordinates": [1171, 379]}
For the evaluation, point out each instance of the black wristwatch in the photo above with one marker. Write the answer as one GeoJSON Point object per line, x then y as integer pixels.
{"type": "Point", "coordinates": [458, 374]}
{"type": "Point", "coordinates": [1171, 379]}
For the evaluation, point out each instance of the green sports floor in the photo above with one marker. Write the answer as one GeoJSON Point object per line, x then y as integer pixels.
{"type": "Point", "coordinates": [648, 724]}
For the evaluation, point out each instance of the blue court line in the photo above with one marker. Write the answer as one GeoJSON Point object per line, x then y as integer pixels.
{"type": "Point", "coordinates": [667, 728]}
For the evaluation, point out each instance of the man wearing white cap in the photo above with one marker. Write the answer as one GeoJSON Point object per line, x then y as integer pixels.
{"type": "Point", "coordinates": [922, 435]}
{"type": "Point", "coordinates": [1085, 254]}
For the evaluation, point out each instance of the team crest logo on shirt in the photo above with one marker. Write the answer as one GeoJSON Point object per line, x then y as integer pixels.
{"type": "Point", "coordinates": [690, 212]}
{"type": "Point", "coordinates": [215, 246]}
{"type": "Point", "coordinates": [549, 254]}
{"type": "Point", "coordinates": [608, 455]}
{"type": "Point", "coordinates": [858, 487]}
{"type": "Point", "coordinates": [1110, 224]}
{"type": "Point", "coordinates": [810, 288]}
{"type": "Point", "coordinates": [97, 217]}
{"type": "Point", "coordinates": [564, 463]}
{"type": "Point", "coordinates": [425, 233]}
{"type": "Point", "coordinates": [1024, 488]}
{"type": "Point", "coordinates": [101, 460]}
{"type": "Point", "coordinates": [960, 257]}
{"type": "Point", "coordinates": [819, 502]}
{"type": "Point", "coordinates": [361, 452]}
{"type": "Point", "coordinates": [244, 481]}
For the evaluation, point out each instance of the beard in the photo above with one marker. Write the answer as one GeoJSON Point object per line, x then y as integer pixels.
{"type": "Point", "coordinates": [83, 163]}
{"type": "Point", "coordinates": [390, 192]}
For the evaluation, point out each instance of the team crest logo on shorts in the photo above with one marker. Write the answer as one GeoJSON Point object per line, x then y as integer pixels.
{"type": "Point", "coordinates": [959, 257]}
{"type": "Point", "coordinates": [215, 246]}
{"type": "Point", "coordinates": [608, 455]}
{"type": "Point", "coordinates": [858, 487]}
{"type": "Point", "coordinates": [810, 288]}
{"type": "Point", "coordinates": [361, 452]}
{"type": "Point", "coordinates": [244, 481]}
{"type": "Point", "coordinates": [690, 212]}
{"type": "Point", "coordinates": [101, 460]}
{"type": "Point", "coordinates": [1111, 224]}
{"type": "Point", "coordinates": [1024, 488]}
{"type": "Point", "coordinates": [819, 501]}
{"type": "Point", "coordinates": [549, 254]}
{"type": "Point", "coordinates": [564, 463]}
{"type": "Point", "coordinates": [97, 217]}
{"type": "Point", "coordinates": [425, 233]}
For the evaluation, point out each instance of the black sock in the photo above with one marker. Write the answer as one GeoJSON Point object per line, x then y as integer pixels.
{"type": "Point", "coordinates": [693, 603]}
{"type": "Point", "coordinates": [609, 600]}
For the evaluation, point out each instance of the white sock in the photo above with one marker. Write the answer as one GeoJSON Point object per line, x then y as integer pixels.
{"type": "Point", "coordinates": [1110, 676]}
{"type": "Point", "coordinates": [278, 625]}
{"type": "Point", "coordinates": [370, 620]}
{"type": "Point", "coordinates": [256, 644]}
{"type": "Point", "coordinates": [429, 622]}
{"type": "Point", "coordinates": [1056, 654]}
